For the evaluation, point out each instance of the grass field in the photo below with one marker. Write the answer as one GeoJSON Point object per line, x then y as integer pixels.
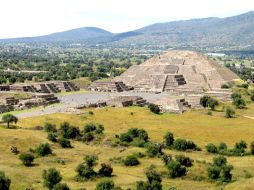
{"type": "Point", "coordinates": [193, 125]}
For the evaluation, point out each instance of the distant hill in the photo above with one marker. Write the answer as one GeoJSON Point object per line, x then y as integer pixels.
{"type": "Point", "coordinates": [236, 30]}
{"type": "Point", "coordinates": [206, 32]}
{"type": "Point", "coordinates": [79, 34]}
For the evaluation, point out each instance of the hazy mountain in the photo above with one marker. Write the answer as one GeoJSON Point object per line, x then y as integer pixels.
{"type": "Point", "coordinates": [237, 30]}
{"type": "Point", "coordinates": [207, 32]}
{"type": "Point", "coordinates": [79, 34]}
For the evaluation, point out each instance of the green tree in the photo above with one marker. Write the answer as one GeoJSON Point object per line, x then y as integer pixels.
{"type": "Point", "coordinates": [105, 185]}
{"type": "Point", "coordinates": [229, 112]}
{"type": "Point", "coordinates": [27, 159]}
{"type": "Point", "coordinates": [51, 177]}
{"type": "Point", "coordinates": [169, 139]}
{"type": "Point", "coordinates": [5, 182]}
{"type": "Point", "coordinates": [9, 118]}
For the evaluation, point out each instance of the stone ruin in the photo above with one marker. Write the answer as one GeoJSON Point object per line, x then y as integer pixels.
{"type": "Point", "coordinates": [12, 103]}
{"type": "Point", "coordinates": [183, 76]}
{"type": "Point", "coordinates": [108, 86]}
{"type": "Point", "coordinates": [117, 101]}
{"type": "Point", "coordinates": [47, 87]}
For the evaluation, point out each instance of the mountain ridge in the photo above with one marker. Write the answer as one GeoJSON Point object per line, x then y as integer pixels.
{"type": "Point", "coordinates": [211, 31]}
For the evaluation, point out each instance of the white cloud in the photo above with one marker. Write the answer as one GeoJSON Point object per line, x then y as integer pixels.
{"type": "Point", "coordinates": [38, 17]}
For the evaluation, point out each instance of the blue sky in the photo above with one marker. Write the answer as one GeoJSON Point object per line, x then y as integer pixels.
{"type": "Point", "coordinates": [20, 18]}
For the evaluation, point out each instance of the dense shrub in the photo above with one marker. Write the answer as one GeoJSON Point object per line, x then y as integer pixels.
{"type": "Point", "coordinates": [229, 112]}
{"type": "Point", "coordinates": [239, 148]}
{"type": "Point", "coordinates": [5, 182]}
{"type": "Point", "coordinates": [182, 144]}
{"type": "Point", "coordinates": [204, 101]}
{"type": "Point", "coordinates": [220, 170]}
{"type": "Point", "coordinates": [27, 159]}
{"type": "Point", "coordinates": [169, 139]}
{"type": "Point", "coordinates": [212, 103]}
{"type": "Point", "coordinates": [85, 170]}
{"type": "Point", "coordinates": [87, 137]}
{"type": "Point", "coordinates": [222, 147]}
{"type": "Point", "coordinates": [183, 160]}
{"type": "Point", "coordinates": [105, 170]}
{"type": "Point", "coordinates": [245, 85]}
{"type": "Point", "coordinates": [225, 86]}
{"type": "Point", "coordinates": [125, 137]}
{"type": "Point", "coordinates": [43, 149]}
{"type": "Point", "coordinates": [236, 95]}
{"type": "Point", "coordinates": [153, 149]}
{"type": "Point", "coordinates": [89, 127]}
{"type": "Point", "coordinates": [105, 185]}
{"type": "Point", "coordinates": [51, 177]}
{"type": "Point", "coordinates": [252, 147]}
{"type": "Point", "coordinates": [131, 161]}
{"type": "Point", "coordinates": [153, 183]}
{"type": "Point", "coordinates": [154, 108]}
{"type": "Point", "coordinates": [211, 148]}
{"type": "Point", "coordinates": [52, 137]}
{"type": "Point", "coordinates": [166, 158]}
{"type": "Point", "coordinates": [64, 143]}
{"type": "Point", "coordinates": [239, 103]}
{"type": "Point", "coordinates": [226, 175]}
{"type": "Point", "coordinates": [67, 131]}
{"type": "Point", "coordinates": [176, 169]}
{"type": "Point", "coordinates": [99, 129]}
{"type": "Point", "coordinates": [61, 186]}
{"type": "Point", "coordinates": [48, 127]}
{"type": "Point", "coordinates": [252, 96]}
{"type": "Point", "coordinates": [213, 172]}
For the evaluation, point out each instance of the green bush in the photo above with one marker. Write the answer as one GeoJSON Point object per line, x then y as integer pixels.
{"type": "Point", "coordinates": [5, 182]}
{"type": "Point", "coordinates": [213, 172]}
{"type": "Point", "coordinates": [245, 85]}
{"type": "Point", "coordinates": [52, 137]}
{"type": "Point", "coordinates": [204, 101]}
{"type": "Point", "coordinates": [48, 127]}
{"type": "Point", "coordinates": [212, 103]}
{"type": "Point", "coordinates": [51, 177]}
{"type": "Point", "coordinates": [67, 131]}
{"type": "Point", "coordinates": [153, 183]}
{"type": "Point", "coordinates": [89, 127]}
{"type": "Point", "coordinates": [183, 160]}
{"type": "Point", "coordinates": [61, 186]}
{"type": "Point", "coordinates": [219, 161]}
{"type": "Point", "coordinates": [166, 158]}
{"type": "Point", "coordinates": [239, 103]}
{"type": "Point", "coordinates": [43, 149]}
{"type": "Point", "coordinates": [154, 108]}
{"type": "Point", "coordinates": [27, 159]}
{"type": "Point", "coordinates": [226, 175]}
{"type": "Point", "coordinates": [105, 185]}
{"type": "Point", "coordinates": [211, 148]}
{"type": "Point", "coordinates": [125, 137]}
{"type": "Point", "coordinates": [131, 161]}
{"type": "Point", "coordinates": [222, 147]}
{"type": "Point", "coordinates": [87, 137]}
{"type": "Point", "coordinates": [230, 113]}
{"type": "Point", "coordinates": [105, 170]}
{"type": "Point", "coordinates": [153, 149]}
{"type": "Point", "coordinates": [84, 172]}
{"type": "Point", "coordinates": [182, 144]}
{"type": "Point", "coordinates": [169, 139]}
{"type": "Point", "coordinates": [252, 97]}
{"type": "Point", "coordinates": [99, 129]}
{"type": "Point", "coordinates": [252, 147]}
{"type": "Point", "coordinates": [236, 95]}
{"type": "Point", "coordinates": [225, 86]}
{"type": "Point", "coordinates": [64, 143]}
{"type": "Point", "coordinates": [176, 169]}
